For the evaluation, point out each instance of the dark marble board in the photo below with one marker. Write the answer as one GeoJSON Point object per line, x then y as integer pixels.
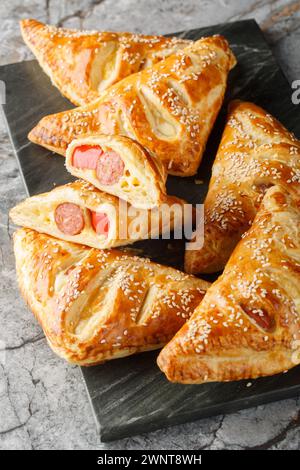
{"type": "Point", "coordinates": [131, 396]}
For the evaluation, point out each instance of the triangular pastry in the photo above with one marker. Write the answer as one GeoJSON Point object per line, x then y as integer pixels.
{"type": "Point", "coordinates": [96, 305]}
{"type": "Point", "coordinates": [80, 213]}
{"type": "Point", "coordinates": [81, 64]}
{"type": "Point", "coordinates": [169, 109]}
{"type": "Point", "coordinates": [255, 152]}
{"type": "Point", "coordinates": [119, 166]}
{"type": "Point", "coordinates": [248, 324]}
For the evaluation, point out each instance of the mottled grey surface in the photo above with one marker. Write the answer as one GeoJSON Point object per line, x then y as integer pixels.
{"type": "Point", "coordinates": [43, 403]}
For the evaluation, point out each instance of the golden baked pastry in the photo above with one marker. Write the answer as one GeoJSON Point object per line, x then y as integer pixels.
{"type": "Point", "coordinates": [80, 213]}
{"type": "Point", "coordinates": [96, 305]}
{"type": "Point", "coordinates": [169, 109]}
{"type": "Point", "coordinates": [119, 166]}
{"type": "Point", "coordinates": [81, 64]}
{"type": "Point", "coordinates": [255, 152]}
{"type": "Point", "coordinates": [248, 324]}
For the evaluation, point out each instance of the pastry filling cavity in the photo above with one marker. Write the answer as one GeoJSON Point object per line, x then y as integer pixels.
{"type": "Point", "coordinates": [86, 156]}
{"type": "Point", "coordinates": [110, 168]}
{"type": "Point", "coordinates": [108, 165]}
{"type": "Point", "coordinates": [69, 218]}
{"type": "Point", "coordinates": [100, 222]}
{"type": "Point", "coordinates": [261, 317]}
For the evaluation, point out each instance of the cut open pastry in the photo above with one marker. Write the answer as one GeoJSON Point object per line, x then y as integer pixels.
{"type": "Point", "coordinates": [80, 213]}
{"type": "Point", "coordinates": [169, 109]}
{"type": "Point", "coordinates": [96, 305]}
{"type": "Point", "coordinates": [255, 152]}
{"type": "Point", "coordinates": [248, 324]}
{"type": "Point", "coordinates": [119, 166]}
{"type": "Point", "coordinates": [84, 63]}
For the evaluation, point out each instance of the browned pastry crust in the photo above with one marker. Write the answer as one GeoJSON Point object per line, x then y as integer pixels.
{"type": "Point", "coordinates": [248, 324]}
{"type": "Point", "coordinates": [169, 109]}
{"type": "Point", "coordinates": [126, 225]}
{"type": "Point", "coordinates": [81, 64]}
{"type": "Point", "coordinates": [255, 152]}
{"type": "Point", "coordinates": [96, 305]}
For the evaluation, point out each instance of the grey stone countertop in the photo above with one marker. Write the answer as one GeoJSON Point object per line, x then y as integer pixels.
{"type": "Point", "coordinates": [43, 402]}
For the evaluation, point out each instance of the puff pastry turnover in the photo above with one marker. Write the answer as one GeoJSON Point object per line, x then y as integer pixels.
{"type": "Point", "coordinates": [248, 324]}
{"type": "Point", "coordinates": [169, 109]}
{"type": "Point", "coordinates": [80, 213]}
{"type": "Point", "coordinates": [119, 166]}
{"type": "Point", "coordinates": [96, 305]}
{"type": "Point", "coordinates": [255, 152]}
{"type": "Point", "coordinates": [81, 64]}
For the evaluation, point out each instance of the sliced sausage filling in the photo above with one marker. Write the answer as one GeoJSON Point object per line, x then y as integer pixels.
{"type": "Point", "coordinates": [100, 222]}
{"type": "Point", "coordinates": [86, 156]}
{"type": "Point", "coordinates": [69, 218]}
{"type": "Point", "coordinates": [109, 166]}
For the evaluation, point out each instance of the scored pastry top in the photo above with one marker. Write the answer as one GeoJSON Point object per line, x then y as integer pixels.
{"type": "Point", "coordinates": [84, 63]}
{"type": "Point", "coordinates": [169, 109]}
{"type": "Point", "coordinates": [255, 153]}
{"type": "Point", "coordinates": [96, 305]}
{"type": "Point", "coordinates": [248, 324]}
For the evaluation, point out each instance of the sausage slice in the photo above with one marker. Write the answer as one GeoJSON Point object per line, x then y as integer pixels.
{"type": "Point", "coordinates": [110, 168]}
{"type": "Point", "coordinates": [69, 218]}
{"type": "Point", "coordinates": [100, 222]}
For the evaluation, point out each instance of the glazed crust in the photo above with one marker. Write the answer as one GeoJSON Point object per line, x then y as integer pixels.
{"type": "Point", "coordinates": [255, 152]}
{"type": "Point", "coordinates": [144, 187]}
{"type": "Point", "coordinates": [126, 225]}
{"type": "Point", "coordinates": [81, 64]}
{"type": "Point", "coordinates": [169, 109]}
{"type": "Point", "coordinates": [96, 305]}
{"type": "Point", "coordinates": [248, 324]}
